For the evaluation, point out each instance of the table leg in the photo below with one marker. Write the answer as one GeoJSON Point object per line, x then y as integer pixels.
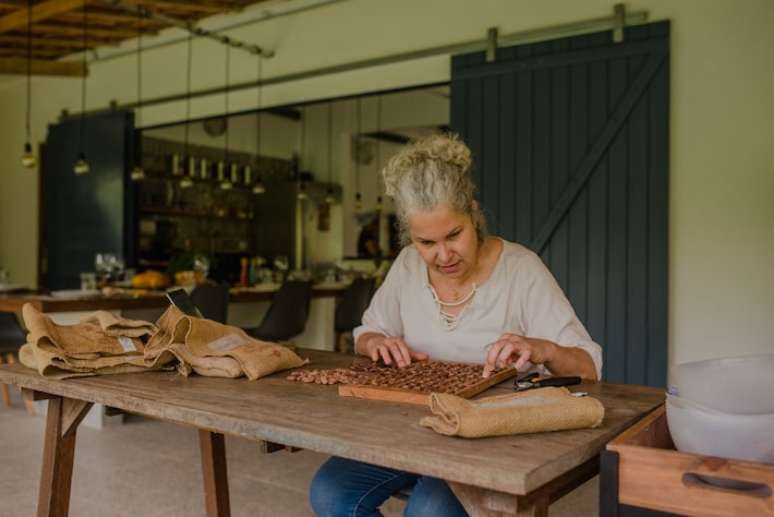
{"type": "Point", "coordinates": [62, 421]}
{"type": "Point", "coordinates": [480, 502]}
{"type": "Point", "coordinates": [27, 403]}
{"type": "Point", "coordinates": [4, 389]}
{"type": "Point", "coordinates": [215, 473]}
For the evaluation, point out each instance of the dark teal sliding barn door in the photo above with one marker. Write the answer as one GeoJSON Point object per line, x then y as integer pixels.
{"type": "Point", "coordinates": [570, 142]}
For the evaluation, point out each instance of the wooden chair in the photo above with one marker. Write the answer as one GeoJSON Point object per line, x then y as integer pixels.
{"type": "Point", "coordinates": [349, 312]}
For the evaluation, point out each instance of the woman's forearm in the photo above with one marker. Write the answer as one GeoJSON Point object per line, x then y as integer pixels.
{"type": "Point", "coordinates": [567, 360]}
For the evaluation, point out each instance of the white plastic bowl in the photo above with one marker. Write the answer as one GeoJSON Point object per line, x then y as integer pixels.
{"type": "Point", "coordinates": [739, 385]}
{"type": "Point", "coordinates": [701, 430]}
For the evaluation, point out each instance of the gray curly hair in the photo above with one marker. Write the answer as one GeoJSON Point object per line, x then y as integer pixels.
{"type": "Point", "coordinates": [430, 172]}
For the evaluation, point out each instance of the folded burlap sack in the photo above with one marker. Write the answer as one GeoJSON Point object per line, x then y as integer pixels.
{"type": "Point", "coordinates": [49, 362]}
{"type": "Point", "coordinates": [114, 325]}
{"type": "Point", "coordinates": [95, 346]}
{"type": "Point", "coordinates": [213, 349]}
{"type": "Point", "coordinates": [85, 340]}
{"type": "Point", "coordinates": [534, 411]}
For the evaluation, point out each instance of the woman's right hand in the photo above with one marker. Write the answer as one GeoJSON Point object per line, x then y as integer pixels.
{"type": "Point", "coordinates": [392, 350]}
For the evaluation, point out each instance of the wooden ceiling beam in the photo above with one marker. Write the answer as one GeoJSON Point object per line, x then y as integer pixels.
{"type": "Point", "coordinates": [185, 7]}
{"type": "Point", "coordinates": [18, 66]}
{"type": "Point", "coordinates": [108, 18]}
{"type": "Point", "coordinates": [76, 31]}
{"type": "Point", "coordinates": [41, 11]}
{"type": "Point", "coordinates": [76, 43]}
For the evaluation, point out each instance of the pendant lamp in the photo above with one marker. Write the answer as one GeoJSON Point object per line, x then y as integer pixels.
{"type": "Point", "coordinates": [329, 199]}
{"type": "Point", "coordinates": [190, 170]}
{"type": "Point", "coordinates": [28, 158]}
{"type": "Point", "coordinates": [258, 188]}
{"type": "Point", "coordinates": [138, 173]}
{"type": "Point", "coordinates": [82, 165]}
{"type": "Point", "coordinates": [225, 181]}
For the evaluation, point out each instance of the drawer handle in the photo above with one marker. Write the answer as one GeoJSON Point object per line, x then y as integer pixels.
{"type": "Point", "coordinates": [744, 488]}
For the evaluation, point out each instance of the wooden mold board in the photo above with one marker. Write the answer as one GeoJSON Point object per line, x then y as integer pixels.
{"type": "Point", "coordinates": [419, 397]}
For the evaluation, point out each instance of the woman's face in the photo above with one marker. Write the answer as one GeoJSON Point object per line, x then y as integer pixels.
{"type": "Point", "coordinates": [446, 239]}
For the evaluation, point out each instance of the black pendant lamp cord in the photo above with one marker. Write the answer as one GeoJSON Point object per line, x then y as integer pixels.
{"type": "Point", "coordinates": [330, 145]}
{"type": "Point", "coordinates": [226, 100]}
{"type": "Point", "coordinates": [189, 66]}
{"type": "Point", "coordinates": [259, 73]}
{"type": "Point", "coordinates": [29, 69]}
{"type": "Point", "coordinates": [378, 146]}
{"type": "Point", "coordinates": [139, 65]}
{"type": "Point", "coordinates": [83, 81]}
{"type": "Point", "coordinates": [357, 150]}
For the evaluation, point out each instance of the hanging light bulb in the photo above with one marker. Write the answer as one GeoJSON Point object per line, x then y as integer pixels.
{"type": "Point", "coordinates": [225, 184]}
{"type": "Point", "coordinates": [358, 201]}
{"type": "Point", "coordinates": [138, 174]}
{"type": "Point", "coordinates": [81, 165]}
{"type": "Point", "coordinates": [187, 180]}
{"type": "Point", "coordinates": [28, 159]}
{"type": "Point", "coordinates": [258, 188]}
{"type": "Point", "coordinates": [379, 203]}
{"type": "Point", "coordinates": [329, 197]}
{"type": "Point", "coordinates": [302, 190]}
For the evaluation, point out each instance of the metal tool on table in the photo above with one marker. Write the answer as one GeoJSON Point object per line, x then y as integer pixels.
{"type": "Point", "coordinates": [533, 380]}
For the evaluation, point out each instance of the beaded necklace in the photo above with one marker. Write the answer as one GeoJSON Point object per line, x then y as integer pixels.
{"type": "Point", "coordinates": [451, 320]}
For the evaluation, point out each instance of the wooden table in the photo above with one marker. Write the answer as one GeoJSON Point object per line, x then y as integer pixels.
{"type": "Point", "coordinates": [514, 475]}
{"type": "Point", "coordinates": [48, 304]}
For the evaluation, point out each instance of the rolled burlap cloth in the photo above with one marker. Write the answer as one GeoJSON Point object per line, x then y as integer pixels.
{"type": "Point", "coordinates": [533, 411]}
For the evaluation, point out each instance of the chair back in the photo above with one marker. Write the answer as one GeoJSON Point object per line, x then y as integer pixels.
{"type": "Point", "coordinates": [287, 313]}
{"type": "Point", "coordinates": [12, 335]}
{"type": "Point", "coordinates": [212, 301]}
{"type": "Point", "coordinates": [354, 301]}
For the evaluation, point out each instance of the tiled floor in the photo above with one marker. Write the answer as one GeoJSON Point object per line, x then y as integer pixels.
{"type": "Point", "coordinates": [150, 468]}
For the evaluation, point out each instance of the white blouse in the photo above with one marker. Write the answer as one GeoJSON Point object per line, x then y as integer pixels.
{"type": "Point", "coordinates": [520, 297]}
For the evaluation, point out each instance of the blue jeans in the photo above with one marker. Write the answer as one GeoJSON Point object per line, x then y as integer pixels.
{"type": "Point", "coordinates": [347, 488]}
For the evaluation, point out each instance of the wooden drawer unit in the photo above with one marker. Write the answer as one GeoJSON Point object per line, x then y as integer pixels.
{"type": "Point", "coordinates": [641, 474]}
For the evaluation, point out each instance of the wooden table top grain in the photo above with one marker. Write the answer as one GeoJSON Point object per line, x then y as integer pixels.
{"type": "Point", "coordinates": [315, 417]}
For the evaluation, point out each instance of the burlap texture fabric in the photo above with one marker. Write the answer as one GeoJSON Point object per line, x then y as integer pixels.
{"type": "Point", "coordinates": [534, 411]}
{"type": "Point", "coordinates": [213, 349]}
{"type": "Point", "coordinates": [63, 351]}
{"type": "Point", "coordinates": [85, 340]}
{"type": "Point", "coordinates": [113, 325]}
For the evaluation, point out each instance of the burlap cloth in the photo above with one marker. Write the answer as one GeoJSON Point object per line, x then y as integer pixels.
{"type": "Point", "coordinates": [534, 411]}
{"type": "Point", "coordinates": [213, 349]}
{"type": "Point", "coordinates": [99, 344]}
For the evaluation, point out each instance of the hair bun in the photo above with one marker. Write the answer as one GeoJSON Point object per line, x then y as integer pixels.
{"type": "Point", "coordinates": [446, 149]}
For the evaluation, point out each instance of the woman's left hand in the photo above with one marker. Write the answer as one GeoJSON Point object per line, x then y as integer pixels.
{"type": "Point", "coordinates": [510, 347]}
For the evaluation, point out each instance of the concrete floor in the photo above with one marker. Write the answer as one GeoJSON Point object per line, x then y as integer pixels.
{"type": "Point", "coordinates": [150, 468]}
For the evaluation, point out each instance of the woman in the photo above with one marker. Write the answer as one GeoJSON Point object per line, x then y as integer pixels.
{"type": "Point", "coordinates": [453, 294]}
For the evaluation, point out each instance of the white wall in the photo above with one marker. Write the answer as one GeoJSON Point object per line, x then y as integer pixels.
{"type": "Point", "coordinates": [721, 297]}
